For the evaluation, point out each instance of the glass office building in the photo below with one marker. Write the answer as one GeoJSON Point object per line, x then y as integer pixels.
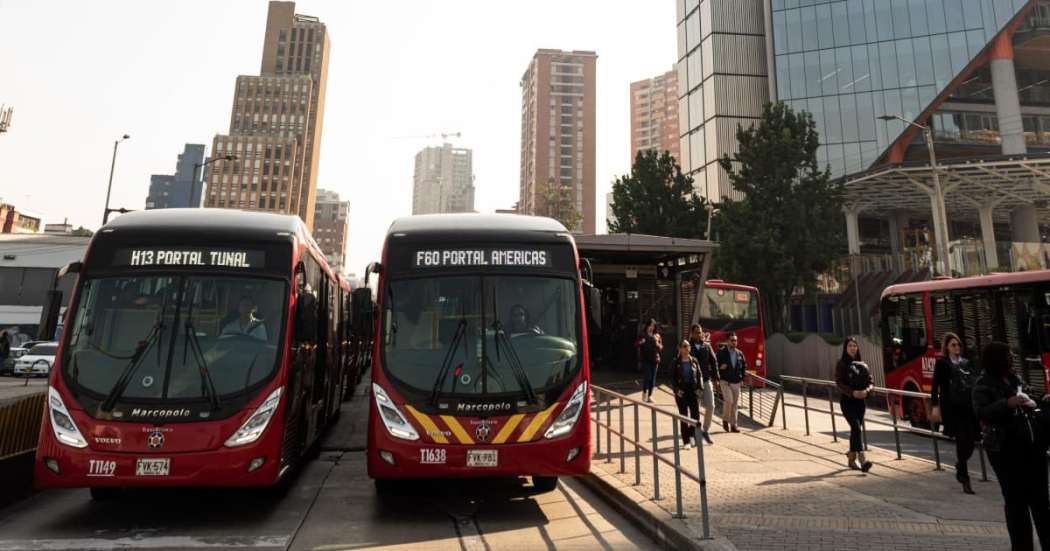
{"type": "Point", "coordinates": [976, 73]}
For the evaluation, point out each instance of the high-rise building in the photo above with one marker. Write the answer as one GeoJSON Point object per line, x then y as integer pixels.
{"type": "Point", "coordinates": [558, 130]}
{"type": "Point", "coordinates": [331, 217]}
{"type": "Point", "coordinates": [275, 127]}
{"type": "Point", "coordinates": [722, 83]}
{"type": "Point", "coordinates": [654, 115]}
{"type": "Point", "coordinates": [878, 76]}
{"type": "Point", "coordinates": [443, 180]}
{"type": "Point", "coordinates": [175, 191]}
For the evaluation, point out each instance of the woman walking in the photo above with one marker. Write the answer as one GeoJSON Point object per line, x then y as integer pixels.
{"type": "Point", "coordinates": [952, 400]}
{"type": "Point", "coordinates": [1016, 449]}
{"type": "Point", "coordinates": [685, 382]}
{"type": "Point", "coordinates": [649, 347]}
{"type": "Point", "coordinates": [854, 381]}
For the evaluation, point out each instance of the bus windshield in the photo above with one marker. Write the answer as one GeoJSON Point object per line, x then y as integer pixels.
{"type": "Point", "coordinates": [161, 330]}
{"type": "Point", "coordinates": [481, 335]}
{"type": "Point", "coordinates": [728, 309]}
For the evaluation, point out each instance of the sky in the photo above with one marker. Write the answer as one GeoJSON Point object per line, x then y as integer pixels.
{"type": "Point", "coordinates": [80, 75]}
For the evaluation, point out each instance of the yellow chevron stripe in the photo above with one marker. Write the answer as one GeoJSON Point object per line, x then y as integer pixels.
{"type": "Point", "coordinates": [428, 425]}
{"type": "Point", "coordinates": [508, 429]}
{"type": "Point", "coordinates": [454, 425]}
{"type": "Point", "coordinates": [536, 423]}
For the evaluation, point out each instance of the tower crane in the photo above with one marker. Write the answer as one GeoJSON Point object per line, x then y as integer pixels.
{"type": "Point", "coordinates": [444, 136]}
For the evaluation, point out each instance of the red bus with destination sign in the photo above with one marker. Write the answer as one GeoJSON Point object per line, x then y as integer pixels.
{"type": "Point", "coordinates": [201, 348]}
{"type": "Point", "coordinates": [480, 365]}
{"type": "Point", "coordinates": [732, 308]}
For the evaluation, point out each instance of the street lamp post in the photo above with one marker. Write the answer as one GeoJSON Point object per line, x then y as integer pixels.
{"type": "Point", "coordinates": [197, 167]}
{"type": "Point", "coordinates": [940, 217]}
{"type": "Point", "coordinates": [711, 210]}
{"type": "Point", "coordinates": [109, 189]}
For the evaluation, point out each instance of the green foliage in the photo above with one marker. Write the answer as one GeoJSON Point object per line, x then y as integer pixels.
{"type": "Point", "coordinates": [657, 199]}
{"type": "Point", "coordinates": [82, 232]}
{"type": "Point", "coordinates": [789, 227]}
{"type": "Point", "coordinates": [556, 201]}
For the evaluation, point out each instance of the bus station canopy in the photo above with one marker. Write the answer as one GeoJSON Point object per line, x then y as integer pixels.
{"type": "Point", "coordinates": [628, 248]}
{"type": "Point", "coordinates": [904, 188]}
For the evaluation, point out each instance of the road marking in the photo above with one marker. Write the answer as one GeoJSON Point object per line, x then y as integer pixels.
{"type": "Point", "coordinates": [148, 542]}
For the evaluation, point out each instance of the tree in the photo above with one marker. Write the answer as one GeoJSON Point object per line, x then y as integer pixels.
{"type": "Point", "coordinates": [657, 199]}
{"type": "Point", "coordinates": [789, 226]}
{"type": "Point", "coordinates": [556, 201]}
{"type": "Point", "coordinates": [81, 232]}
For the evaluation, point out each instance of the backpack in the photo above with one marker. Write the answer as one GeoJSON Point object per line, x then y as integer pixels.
{"type": "Point", "coordinates": [963, 378]}
{"type": "Point", "coordinates": [858, 375]}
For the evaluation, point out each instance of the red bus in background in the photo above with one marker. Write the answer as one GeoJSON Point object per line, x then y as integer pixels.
{"type": "Point", "coordinates": [1012, 308]}
{"type": "Point", "coordinates": [201, 348]}
{"type": "Point", "coordinates": [727, 307]}
{"type": "Point", "coordinates": [480, 366]}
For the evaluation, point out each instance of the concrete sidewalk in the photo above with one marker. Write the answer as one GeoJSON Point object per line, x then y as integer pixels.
{"type": "Point", "coordinates": [770, 488]}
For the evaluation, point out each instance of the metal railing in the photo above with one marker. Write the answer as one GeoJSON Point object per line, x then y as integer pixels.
{"type": "Point", "coordinates": [893, 399]}
{"type": "Point", "coordinates": [608, 400]}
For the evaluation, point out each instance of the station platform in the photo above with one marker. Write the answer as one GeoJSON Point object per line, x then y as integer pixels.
{"type": "Point", "coordinates": [777, 489]}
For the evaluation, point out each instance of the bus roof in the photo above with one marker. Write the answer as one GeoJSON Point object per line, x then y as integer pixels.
{"type": "Point", "coordinates": [472, 223]}
{"type": "Point", "coordinates": [218, 223]}
{"type": "Point", "coordinates": [991, 280]}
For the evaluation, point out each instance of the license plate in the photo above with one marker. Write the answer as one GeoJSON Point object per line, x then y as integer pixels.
{"type": "Point", "coordinates": [482, 458]}
{"type": "Point", "coordinates": [152, 467]}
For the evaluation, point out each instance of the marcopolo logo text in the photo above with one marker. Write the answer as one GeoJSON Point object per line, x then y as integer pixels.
{"type": "Point", "coordinates": [142, 412]}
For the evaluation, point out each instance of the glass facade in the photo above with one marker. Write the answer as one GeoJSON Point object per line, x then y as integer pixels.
{"type": "Point", "coordinates": [850, 61]}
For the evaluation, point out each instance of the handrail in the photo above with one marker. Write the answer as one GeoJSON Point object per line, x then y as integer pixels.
{"type": "Point", "coordinates": [699, 476]}
{"type": "Point", "coordinates": [892, 397]}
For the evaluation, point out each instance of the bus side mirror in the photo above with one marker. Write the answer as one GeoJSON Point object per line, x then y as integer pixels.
{"type": "Point", "coordinates": [593, 300]}
{"type": "Point", "coordinates": [305, 317]}
{"type": "Point", "coordinates": [363, 313]}
{"type": "Point", "coordinates": [49, 315]}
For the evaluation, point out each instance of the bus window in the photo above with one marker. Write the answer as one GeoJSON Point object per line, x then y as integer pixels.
{"type": "Point", "coordinates": [906, 326]}
{"type": "Point", "coordinates": [942, 310]}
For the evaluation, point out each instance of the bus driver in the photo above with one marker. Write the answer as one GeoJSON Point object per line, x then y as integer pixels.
{"type": "Point", "coordinates": [246, 323]}
{"type": "Point", "coordinates": [519, 323]}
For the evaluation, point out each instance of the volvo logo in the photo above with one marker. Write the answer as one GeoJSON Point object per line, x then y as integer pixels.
{"type": "Point", "coordinates": [155, 441]}
{"type": "Point", "coordinates": [483, 432]}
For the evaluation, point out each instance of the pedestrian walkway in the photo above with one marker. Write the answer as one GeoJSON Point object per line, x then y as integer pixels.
{"type": "Point", "coordinates": [770, 488]}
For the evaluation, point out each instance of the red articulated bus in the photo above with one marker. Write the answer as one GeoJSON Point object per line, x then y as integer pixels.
{"type": "Point", "coordinates": [1012, 308]}
{"type": "Point", "coordinates": [728, 307]}
{"type": "Point", "coordinates": [201, 348]}
{"type": "Point", "coordinates": [480, 366]}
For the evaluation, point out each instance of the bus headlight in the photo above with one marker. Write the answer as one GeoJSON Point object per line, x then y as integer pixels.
{"type": "Point", "coordinates": [564, 423]}
{"type": "Point", "coordinates": [253, 428]}
{"type": "Point", "coordinates": [62, 424]}
{"type": "Point", "coordinates": [393, 420]}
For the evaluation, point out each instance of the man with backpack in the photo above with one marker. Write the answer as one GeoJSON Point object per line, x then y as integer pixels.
{"type": "Point", "coordinates": [952, 400]}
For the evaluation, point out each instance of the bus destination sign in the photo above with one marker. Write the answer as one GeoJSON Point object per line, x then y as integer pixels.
{"type": "Point", "coordinates": [456, 258]}
{"type": "Point", "coordinates": [218, 258]}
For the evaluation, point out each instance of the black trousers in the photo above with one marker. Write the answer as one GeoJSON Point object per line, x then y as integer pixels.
{"type": "Point", "coordinates": [967, 432]}
{"type": "Point", "coordinates": [690, 407]}
{"type": "Point", "coordinates": [1022, 478]}
{"type": "Point", "coordinates": [853, 410]}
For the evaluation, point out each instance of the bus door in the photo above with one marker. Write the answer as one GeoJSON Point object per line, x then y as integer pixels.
{"type": "Point", "coordinates": [977, 322]}
{"type": "Point", "coordinates": [1021, 331]}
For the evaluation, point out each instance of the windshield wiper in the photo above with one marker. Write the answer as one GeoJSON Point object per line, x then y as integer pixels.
{"type": "Point", "coordinates": [133, 365]}
{"type": "Point", "coordinates": [457, 337]}
{"type": "Point", "coordinates": [515, 363]}
{"type": "Point", "coordinates": [194, 344]}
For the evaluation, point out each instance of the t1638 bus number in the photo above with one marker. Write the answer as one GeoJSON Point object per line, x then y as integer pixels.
{"type": "Point", "coordinates": [433, 456]}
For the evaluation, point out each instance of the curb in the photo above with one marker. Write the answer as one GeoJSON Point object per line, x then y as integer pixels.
{"type": "Point", "coordinates": [667, 532]}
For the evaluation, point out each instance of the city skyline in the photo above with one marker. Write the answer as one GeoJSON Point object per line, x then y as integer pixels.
{"type": "Point", "coordinates": [364, 148]}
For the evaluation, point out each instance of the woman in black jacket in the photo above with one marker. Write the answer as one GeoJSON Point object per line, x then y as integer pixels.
{"type": "Point", "coordinates": [686, 383]}
{"type": "Point", "coordinates": [954, 406]}
{"type": "Point", "coordinates": [1016, 452]}
{"type": "Point", "coordinates": [854, 381]}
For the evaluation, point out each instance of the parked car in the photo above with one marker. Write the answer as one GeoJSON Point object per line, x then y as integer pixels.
{"type": "Point", "coordinates": [38, 360]}
{"type": "Point", "coordinates": [8, 368]}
